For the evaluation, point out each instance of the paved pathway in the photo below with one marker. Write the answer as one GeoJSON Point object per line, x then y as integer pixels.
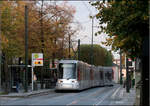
{"type": "Point", "coordinates": [115, 95]}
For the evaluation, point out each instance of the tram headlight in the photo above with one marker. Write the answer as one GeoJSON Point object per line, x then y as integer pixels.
{"type": "Point", "coordinates": [74, 81]}
{"type": "Point", "coordinates": [60, 81]}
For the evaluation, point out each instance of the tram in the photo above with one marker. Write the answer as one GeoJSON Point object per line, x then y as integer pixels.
{"type": "Point", "coordinates": [78, 75]}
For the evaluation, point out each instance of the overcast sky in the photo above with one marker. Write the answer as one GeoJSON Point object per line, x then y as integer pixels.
{"type": "Point", "coordinates": [83, 11]}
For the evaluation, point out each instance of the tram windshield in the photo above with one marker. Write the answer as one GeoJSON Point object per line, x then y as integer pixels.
{"type": "Point", "coordinates": [67, 70]}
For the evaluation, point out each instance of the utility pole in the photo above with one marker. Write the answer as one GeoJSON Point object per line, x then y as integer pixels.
{"type": "Point", "coordinates": [78, 49]}
{"type": "Point", "coordinates": [69, 48]}
{"type": "Point", "coordinates": [42, 41]}
{"type": "Point", "coordinates": [26, 48]}
{"type": "Point", "coordinates": [127, 75]}
{"type": "Point", "coordinates": [62, 48]}
{"type": "Point", "coordinates": [120, 67]}
{"type": "Point", "coordinates": [91, 54]}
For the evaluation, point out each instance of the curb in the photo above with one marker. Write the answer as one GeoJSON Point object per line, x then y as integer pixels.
{"type": "Point", "coordinates": [23, 95]}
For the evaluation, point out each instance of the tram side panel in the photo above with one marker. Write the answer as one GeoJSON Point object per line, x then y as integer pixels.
{"type": "Point", "coordinates": [107, 76]}
{"type": "Point", "coordinates": [92, 77]}
{"type": "Point", "coordinates": [110, 76]}
{"type": "Point", "coordinates": [104, 77]}
{"type": "Point", "coordinates": [97, 81]}
{"type": "Point", "coordinates": [87, 77]}
{"type": "Point", "coordinates": [101, 74]}
{"type": "Point", "coordinates": [79, 75]}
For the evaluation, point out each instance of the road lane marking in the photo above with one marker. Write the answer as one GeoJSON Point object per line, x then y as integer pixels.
{"type": "Point", "coordinates": [119, 102]}
{"type": "Point", "coordinates": [115, 92]}
{"type": "Point", "coordinates": [89, 95]}
{"type": "Point", "coordinates": [101, 100]}
{"type": "Point", "coordinates": [72, 103]}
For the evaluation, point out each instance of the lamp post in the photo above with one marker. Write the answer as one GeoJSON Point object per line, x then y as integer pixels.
{"type": "Point", "coordinates": [42, 41]}
{"type": "Point", "coordinates": [69, 48]}
{"type": "Point", "coordinates": [91, 53]}
{"type": "Point", "coordinates": [26, 49]}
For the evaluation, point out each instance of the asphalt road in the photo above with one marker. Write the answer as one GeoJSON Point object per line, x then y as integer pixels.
{"type": "Point", "coordinates": [93, 96]}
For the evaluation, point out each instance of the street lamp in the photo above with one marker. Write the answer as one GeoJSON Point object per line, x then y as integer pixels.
{"type": "Point", "coordinates": [91, 54]}
{"type": "Point", "coordinates": [26, 48]}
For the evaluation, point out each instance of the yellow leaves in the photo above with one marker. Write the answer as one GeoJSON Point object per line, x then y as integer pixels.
{"type": "Point", "coordinates": [4, 41]}
{"type": "Point", "coordinates": [108, 42]}
{"type": "Point", "coordinates": [55, 27]}
{"type": "Point", "coordinates": [112, 2]}
{"type": "Point", "coordinates": [146, 17]}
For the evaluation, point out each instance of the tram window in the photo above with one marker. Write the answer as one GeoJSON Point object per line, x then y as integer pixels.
{"type": "Point", "coordinates": [60, 71]}
{"type": "Point", "coordinates": [67, 70]}
{"type": "Point", "coordinates": [109, 76]}
{"type": "Point", "coordinates": [106, 76]}
{"type": "Point", "coordinates": [101, 75]}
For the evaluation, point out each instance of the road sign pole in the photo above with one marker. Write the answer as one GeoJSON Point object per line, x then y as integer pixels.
{"type": "Point", "coordinates": [32, 77]}
{"type": "Point", "coordinates": [127, 75]}
{"type": "Point", "coordinates": [37, 60]}
{"type": "Point", "coordinates": [120, 67]}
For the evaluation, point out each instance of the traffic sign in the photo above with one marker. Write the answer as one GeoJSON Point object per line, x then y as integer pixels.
{"type": "Point", "coordinates": [37, 59]}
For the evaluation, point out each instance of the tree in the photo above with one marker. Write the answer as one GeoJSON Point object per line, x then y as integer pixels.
{"type": "Point", "coordinates": [126, 20]}
{"type": "Point", "coordinates": [56, 20]}
{"type": "Point", "coordinates": [127, 25]}
{"type": "Point", "coordinates": [53, 30]}
{"type": "Point", "coordinates": [109, 58]}
{"type": "Point", "coordinates": [101, 56]}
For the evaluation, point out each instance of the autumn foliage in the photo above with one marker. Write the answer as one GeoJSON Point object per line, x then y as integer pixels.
{"type": "Point", "coordinates": [56, 21]}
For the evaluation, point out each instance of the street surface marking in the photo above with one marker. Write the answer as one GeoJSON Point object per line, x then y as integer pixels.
{"type": "Point", "coordinates": [89, 95]}
{"type": "Point", "coordinates": [101, 100]}
{"type": "Point", "coordinates": [115, 92]}
{"type": "Point", "coordinates": [72, 103]}
{"type": "Point", "coordinates": [119, 102]}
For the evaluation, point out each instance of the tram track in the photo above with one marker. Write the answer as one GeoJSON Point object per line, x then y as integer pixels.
{"type": "Point", "coordinates": [95, 96]}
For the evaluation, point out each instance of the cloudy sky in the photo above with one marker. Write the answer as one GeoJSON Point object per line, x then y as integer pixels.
{"type": "Point", "coordinates": [83, 11]}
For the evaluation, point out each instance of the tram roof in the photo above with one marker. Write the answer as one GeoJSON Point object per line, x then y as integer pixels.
{"type": "Point", "coordinates": [68, 61]}
{"type": "Point", "coordinates": [73, 61]}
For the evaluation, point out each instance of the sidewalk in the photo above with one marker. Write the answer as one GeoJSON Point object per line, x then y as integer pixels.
{"type": "Point", "coordinates": [129, 98]}
{"type": "Point", "coordinates": [121, 97]}
{"type": "Point", "coordinates": [30, 93]}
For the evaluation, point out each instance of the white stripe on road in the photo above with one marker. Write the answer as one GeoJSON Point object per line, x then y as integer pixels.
{"type": "Point", "coordinates": [113, 95]}
{"type": "Point", "coordinates": [101, 100]}
{"type": "Point", "coordinates": [81, 98]}
{"type": "Point", "coordinates": [72, 103]}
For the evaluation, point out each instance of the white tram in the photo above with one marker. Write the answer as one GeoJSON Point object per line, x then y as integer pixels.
{"type": "Point", "coordinates": [77, 75]}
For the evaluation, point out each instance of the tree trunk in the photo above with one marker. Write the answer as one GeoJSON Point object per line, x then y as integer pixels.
{"type": "Point", "coordinates": [53, 60]}
{"type": "Point", "coordinates": [7, 76]}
